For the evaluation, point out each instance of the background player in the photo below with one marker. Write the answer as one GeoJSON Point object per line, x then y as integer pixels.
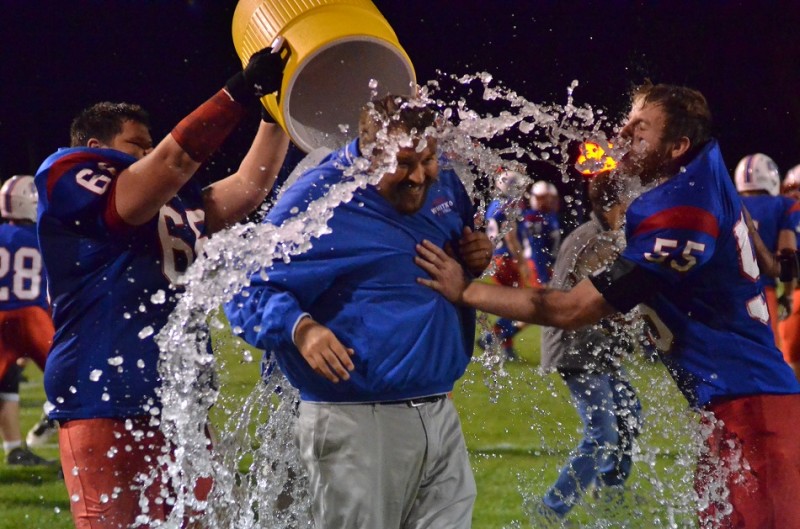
{"type": "Point", "coordinates": [542, 230]}
{"type": "Point", "coordinates": [789, 328]}
{"type": "Point", "coordinates": [758, 182]}
{"type": "Point", "coordinates": [511, 267]}
{"type": "Point", "coordinates": [26, 330]}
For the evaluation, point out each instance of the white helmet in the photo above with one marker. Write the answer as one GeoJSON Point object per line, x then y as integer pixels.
{"type": "Point", "coordinates": [757, 172]}
{"type": "Point", "coordinates": [18, 198]}
{"type": "Point", "coordinates": [510, 183]}
{"type": "Point", "coordinates": [792, 177]}
{"type": "Point", "coordinates": [541, 188]}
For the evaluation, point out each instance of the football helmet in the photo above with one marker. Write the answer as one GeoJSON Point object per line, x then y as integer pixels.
{"type": "Point", "coordinates": [19, 198]}
{"type": "Point", "coordinates": [510, 183]}
{"type": "Point", "coordinates": [544, 196]}
{"type": "Point", "coordinates": [757, 172]}
{"type": "Point", "coordinates": [792, 179]}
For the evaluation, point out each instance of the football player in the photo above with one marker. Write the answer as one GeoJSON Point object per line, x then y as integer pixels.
{"type": "Point", "coordinates": [789, 328]}
{"type": "Point", "coordinates": [758, 182]}
{"type": "Point", "coordinates": [511, 268]}
{"type": "Point", "coordinates": [26, 330]}
{"type": "Point", "coordinates": [543, 231]}
{"type": "Point", "coordinates": [119, 221]}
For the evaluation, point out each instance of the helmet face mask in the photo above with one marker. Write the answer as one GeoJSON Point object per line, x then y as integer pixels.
{"type": "Point", "coordinates": [757, 172]}
{"type": "Point", "coordinates": [19, 198]}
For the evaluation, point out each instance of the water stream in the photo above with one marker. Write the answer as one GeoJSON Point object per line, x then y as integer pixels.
{"type": "Point", "coordinates": [259, 482]}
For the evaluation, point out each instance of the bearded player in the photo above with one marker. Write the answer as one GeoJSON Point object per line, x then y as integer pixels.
{"type": "Point", "coordinates": [690, 260]}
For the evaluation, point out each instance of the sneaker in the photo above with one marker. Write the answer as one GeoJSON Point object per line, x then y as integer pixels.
{"type": "Point", "coordinates": [21, 456]}
{"type": "Point", "coordinates": [484, 341]}
{"type": "Point", "coordinates": [510, 354]}
{"type": "Point", "coordinates": [42, 433]}
{"type": "Point", "coordinates": [543, 517]}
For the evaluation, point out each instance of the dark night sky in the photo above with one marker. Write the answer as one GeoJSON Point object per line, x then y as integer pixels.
{"type": "Point", "coordinates": [57, 57]}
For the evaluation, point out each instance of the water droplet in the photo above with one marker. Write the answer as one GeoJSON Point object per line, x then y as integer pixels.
{"type": "Point", "coordinates": [158, 298]}
{"type": "Point", "coordinates": [144, 333]}
{"type": "Point", "coordinates": [115, 361]}
{"type": "Point", "coordinates": [94, 376]}
{"type": "Point", "coordinates": [75, 498]}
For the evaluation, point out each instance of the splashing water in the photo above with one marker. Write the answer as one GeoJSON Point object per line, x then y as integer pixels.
{"type": "Point", "coordinates": [258, 479]}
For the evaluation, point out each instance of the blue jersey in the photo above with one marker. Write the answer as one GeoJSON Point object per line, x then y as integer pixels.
{"type": "Point", "coordinates": [498, 214]}
{"type": "Point", "coordinates": [711, 313]}
{"type": "Point", "coordinates": [22, 281]}
{"type": "Point", "coordinates": [771, 215]}
{"type": "Point", "coordinates": [543, 236]}
{"type": "Point", "coordinates": [110, 283]}
{"type": "Point", "coordinates": [794, 216]}
{"type": "Point", "coordinates": [359, 280]}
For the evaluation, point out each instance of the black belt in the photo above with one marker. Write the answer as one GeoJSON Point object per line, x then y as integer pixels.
{"type": "Point", "coordinates": [413, 403]}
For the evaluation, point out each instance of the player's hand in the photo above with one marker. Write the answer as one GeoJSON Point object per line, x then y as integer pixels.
{"type": "Point", "coordinates": [475, 250]}
{"type": "Point", "coordinates": [447, 275]}
{"type": "Point", "coordinates": [323, 351]}
{"type": "Point", "coordinates": [262, 76]}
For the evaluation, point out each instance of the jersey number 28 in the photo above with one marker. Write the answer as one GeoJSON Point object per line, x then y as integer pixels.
{"type": "Point", "coordinates": [26, 266]}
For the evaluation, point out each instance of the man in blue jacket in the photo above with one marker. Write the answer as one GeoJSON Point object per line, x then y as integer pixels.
{"type": "Point", "coordinates": [374, 353]}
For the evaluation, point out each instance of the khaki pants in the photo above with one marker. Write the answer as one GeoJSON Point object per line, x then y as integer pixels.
{"type": "Point", "coordinates": [387, 466]}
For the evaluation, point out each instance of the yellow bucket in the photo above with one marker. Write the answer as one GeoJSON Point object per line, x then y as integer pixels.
{"type": "Point", "coordinates": [335, 48]}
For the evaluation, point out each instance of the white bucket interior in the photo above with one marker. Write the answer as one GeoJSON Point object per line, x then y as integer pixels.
{"type": "Point", "coordinates": [329, 89]}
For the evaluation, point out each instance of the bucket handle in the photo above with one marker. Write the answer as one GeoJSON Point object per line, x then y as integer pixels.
{"type": "Point", "coordinates": [278, 47]}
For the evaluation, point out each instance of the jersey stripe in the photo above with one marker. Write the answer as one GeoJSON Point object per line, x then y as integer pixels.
{"type": "Point", "coordinates": [66, 163]}
{"type": "Point", "coordinates": [680, 218]}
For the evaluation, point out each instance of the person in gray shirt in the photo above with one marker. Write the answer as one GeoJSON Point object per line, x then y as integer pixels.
{"type": "Point", "coordinates": [588, 360]}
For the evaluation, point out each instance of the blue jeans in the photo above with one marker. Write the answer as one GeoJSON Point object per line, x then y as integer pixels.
{"type": "Point", "coordinates": [611, 416]}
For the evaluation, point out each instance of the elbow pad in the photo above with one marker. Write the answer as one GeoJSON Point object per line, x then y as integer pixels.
{"type": "Point", "coordinates": [625, 284]}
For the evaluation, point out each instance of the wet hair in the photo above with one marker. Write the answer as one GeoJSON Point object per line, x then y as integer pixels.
{"type": "Point", "coordinates": [686, 110]}
{"type": "Point", "coordinates": [394, 113]}
{"type": "Point", "coordinates": [104, 121]}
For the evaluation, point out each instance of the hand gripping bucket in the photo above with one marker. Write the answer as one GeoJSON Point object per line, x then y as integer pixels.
{"type": "Point", "coordinates": [335, 48]}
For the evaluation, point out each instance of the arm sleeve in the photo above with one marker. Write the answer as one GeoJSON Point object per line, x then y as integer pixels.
{"type": "Point", "coordinates": [625, 284]}
{"type": "Point", "coordinates": [265, 316]}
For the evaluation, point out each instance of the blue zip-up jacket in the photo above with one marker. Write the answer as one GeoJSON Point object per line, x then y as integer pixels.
{"type": "Point", "coordinates": [360, 282]}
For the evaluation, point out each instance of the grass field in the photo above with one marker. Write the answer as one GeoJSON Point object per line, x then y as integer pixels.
{"type": "Point", "coordinates": [519, 426]}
